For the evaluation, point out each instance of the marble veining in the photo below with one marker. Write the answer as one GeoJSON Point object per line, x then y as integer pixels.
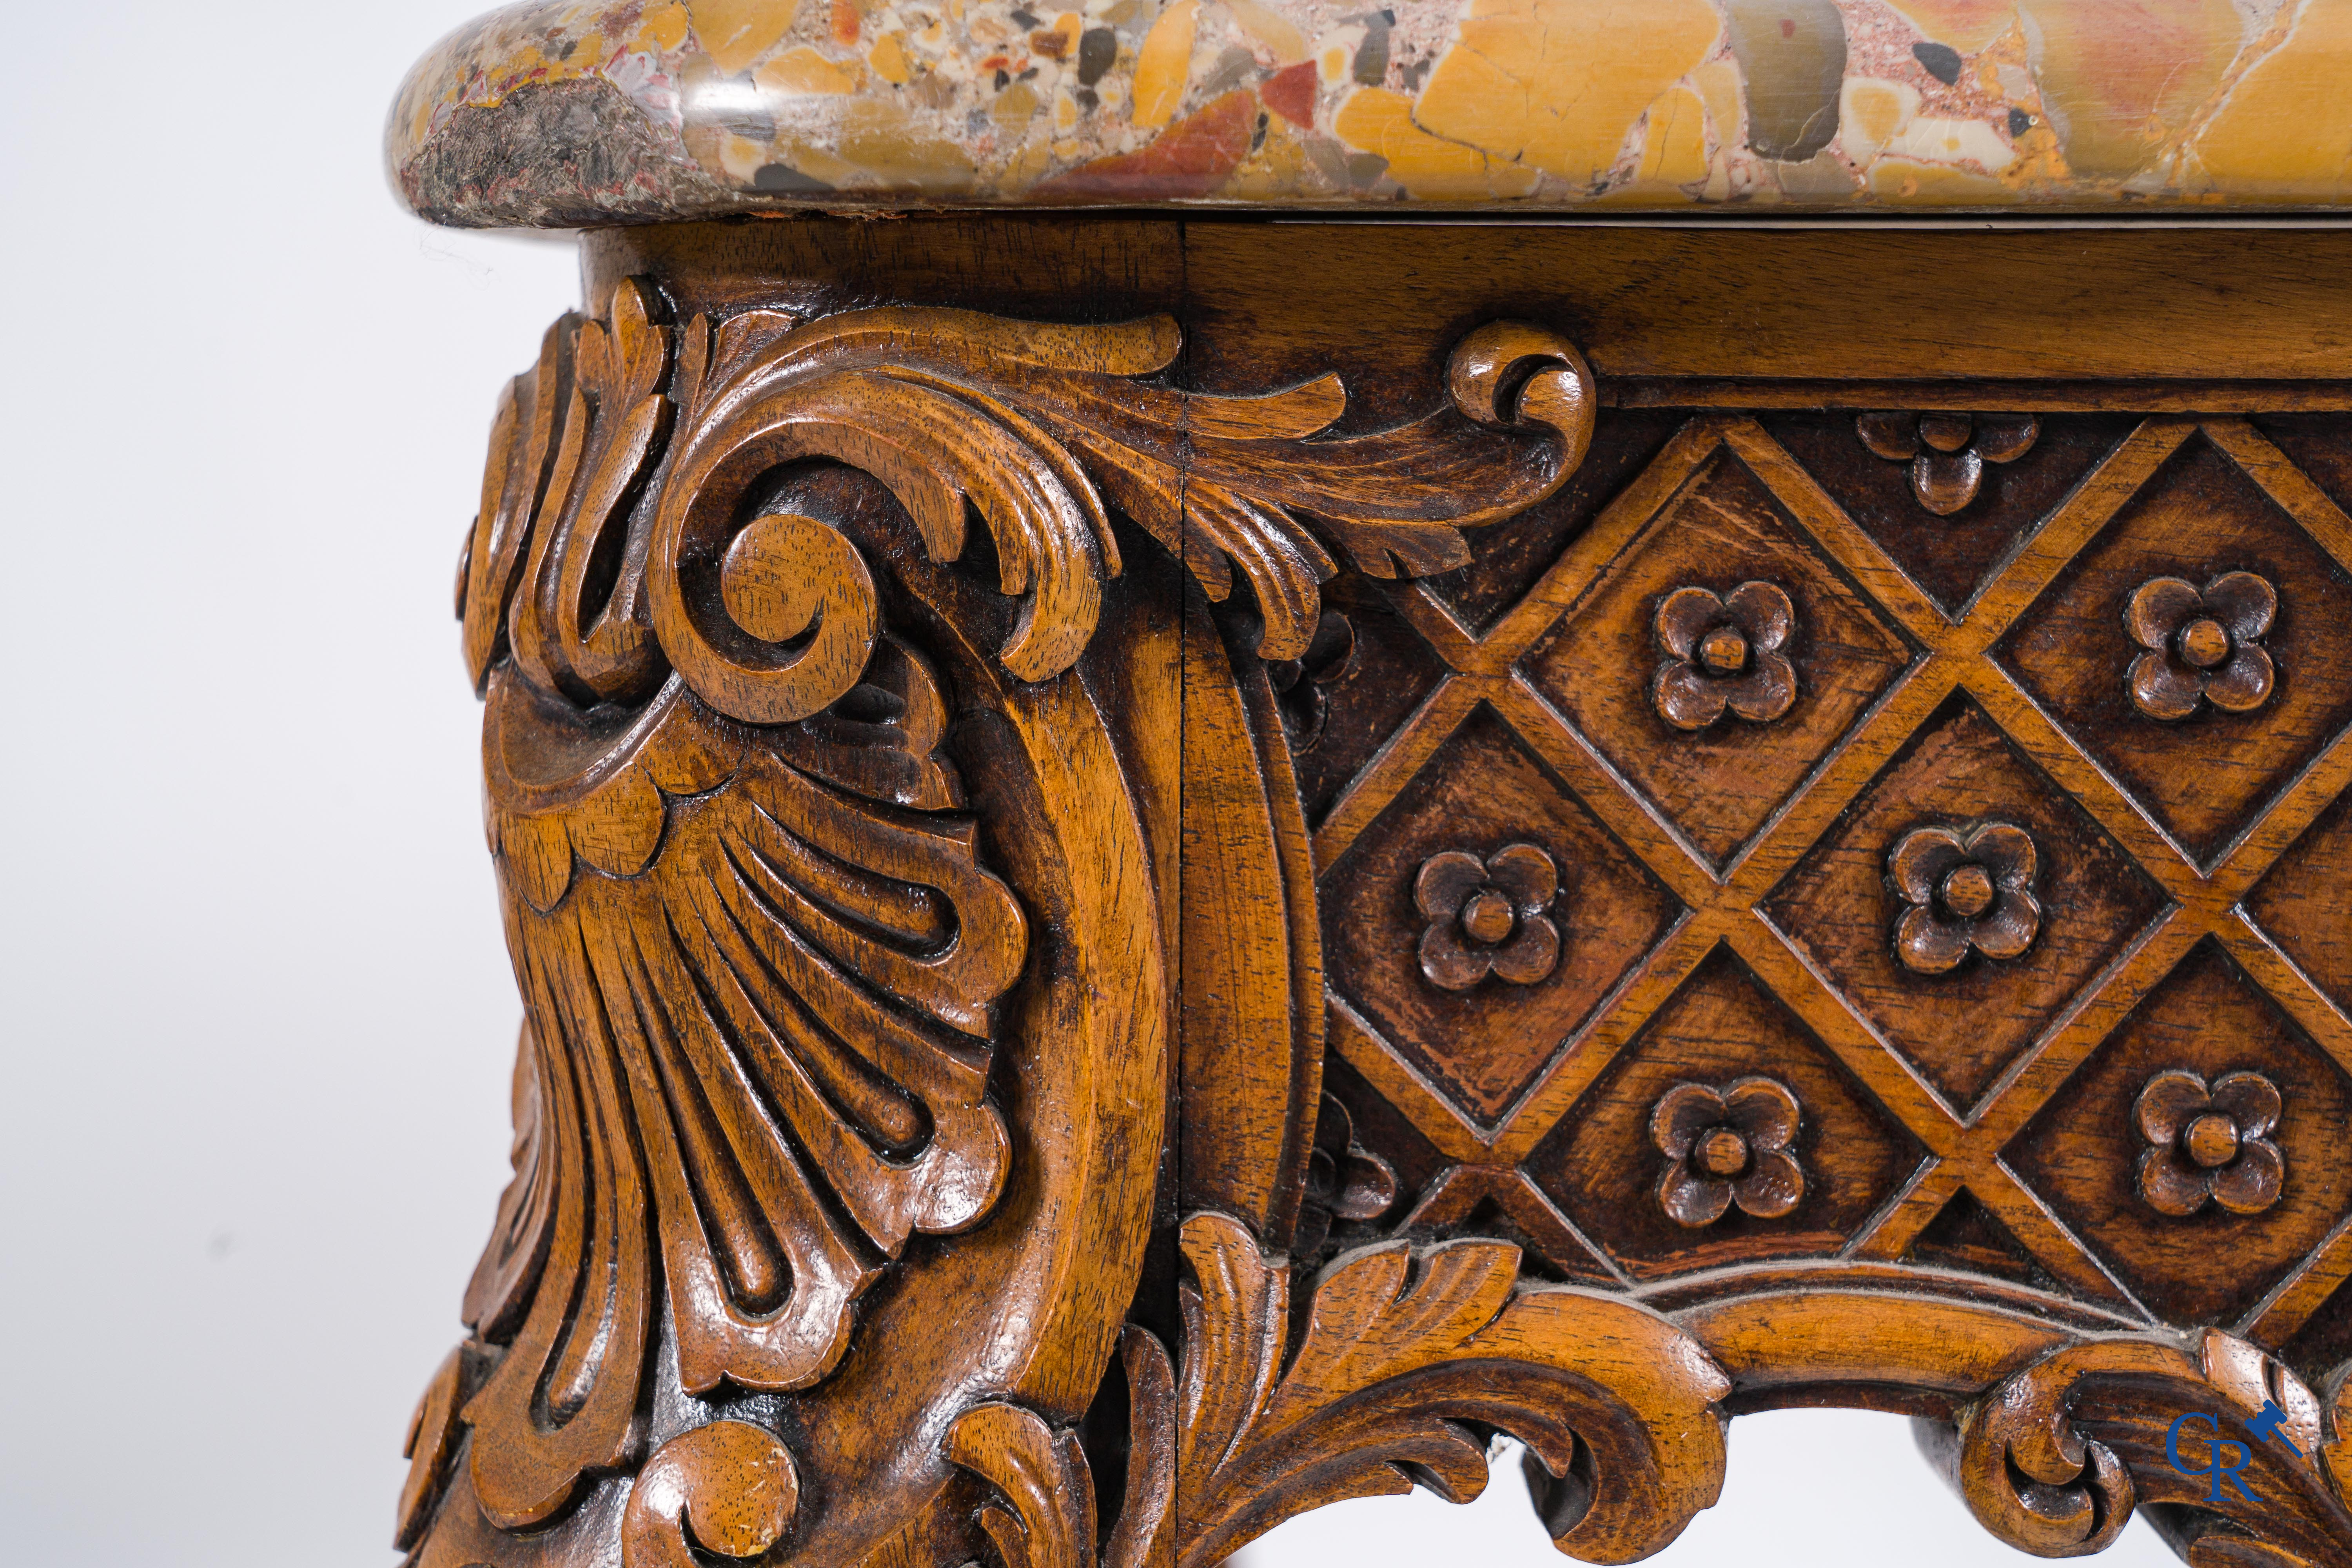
{"type": "Point", "coordinates": [564, 112]}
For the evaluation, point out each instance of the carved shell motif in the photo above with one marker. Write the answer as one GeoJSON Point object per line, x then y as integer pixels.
{"type": "Point", "coordinates": [758, 948]}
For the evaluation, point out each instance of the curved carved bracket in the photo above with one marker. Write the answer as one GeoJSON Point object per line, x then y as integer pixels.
{"type": "Point", "coordinates": [799, 982]}
{"type": "Point", "coordinates": [1409, 1359]}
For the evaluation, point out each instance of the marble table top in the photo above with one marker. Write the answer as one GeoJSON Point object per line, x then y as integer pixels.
{"type": "Point", "coordinates": [568, 113]}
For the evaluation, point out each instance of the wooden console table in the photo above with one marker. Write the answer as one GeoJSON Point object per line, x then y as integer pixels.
{"type": "Point", "coordinates": [1231, 740]}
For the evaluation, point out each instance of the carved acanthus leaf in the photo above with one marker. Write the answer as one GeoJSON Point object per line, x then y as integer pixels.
{"type": "Point", "coordinates": [1047, 1515]}
{"type": "Point", "coordinates": [1029, 424]}
{"type": "Point", "coordinates": [1408, 1357]}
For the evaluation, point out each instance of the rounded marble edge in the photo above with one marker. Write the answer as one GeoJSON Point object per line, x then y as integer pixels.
{"type": "Point", "coordinates": [580, 113]}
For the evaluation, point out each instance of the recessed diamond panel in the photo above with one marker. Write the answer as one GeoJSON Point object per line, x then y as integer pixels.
{"type": "Point", "coordinates": [2319, 444]}
{"type": "Point", "coordinates": [1966, 1236]}
{"type": "Point", "coordinates": [1604, 1168]}
{"type": "Point", "coordinates": [1720, 782]}
{"type": "Point", "coordinates": [2205, 775]}
{"type": "Point", "coordinates": [1342, 703]}
{"type": "Point", "coordinates": [2301, 903]}
{"type": "Point", "coordinates": [2081, 1153]}
{"type": "Point", "coordinates": [1950, 558]}
{"type": "Point", "coordinates": [1387, 1132]}
{"type": "Point", "coordinates": [1482, 1042]}
{"type": "Point", "coordinates": [1963, 1027]}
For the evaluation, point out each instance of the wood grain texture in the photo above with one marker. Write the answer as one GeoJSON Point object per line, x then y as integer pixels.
{"type": "Point", "coordinates": [1399, 1351]}
{"type": "Point", "coordinates": [1963, 1027]}
{"type": "Point", "coordinates": [1749, 304]}
{"type": "Point", "coordinates": [2056, 1460]}
{"type": "Point", "coordinates": [1950, 557]}
{"type": "Point", "coordinates": [1604, 1166]}
{"type": "Point", "coordinates": [1251, 1053]}
{"type": "Point", "coordinates": [799, 820]}
{"type": "Point", "coordinates": [2202, 516]}
{"type": "Point", "coordinates": [1141, 897]}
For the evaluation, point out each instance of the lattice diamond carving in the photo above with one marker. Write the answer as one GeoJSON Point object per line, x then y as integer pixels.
{"type": "Point", "coordinates": [2206, 775]}
{"type": "Point", "coordinates": [1481, 792]}
{"type": "Point", "coordinates": [1719, 784]}
{"type": "Point", "coordinates": [2208, 1017]}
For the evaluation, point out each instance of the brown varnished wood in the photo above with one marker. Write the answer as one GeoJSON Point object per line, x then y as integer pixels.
{"type": "Point", "coordinates": [1484, 1043]}
{"type": "Point", "coordinates": [2200, 779]}
{"type": "Point", "coordinates": [1965, 1032]}
{"type": "Point", "coordinates": [2085, 1150]}
{"type": "Point", "coordinates": [1949, 560]}
{"type": "Point", "coordinates": [1252, 1044]}
{"type": "Point", "coordinates": [1718, 776]}
{"type": "Point", "coordinates": [1605, 1166]}
{"type": "Point", "coordinates": [1158, 866]}
{"type": "Point", "coordinates": [1397, 1349]}
{"type": "Point", "coordinates": [1749, 304]}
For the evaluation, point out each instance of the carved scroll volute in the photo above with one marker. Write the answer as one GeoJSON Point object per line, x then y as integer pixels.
{"type": "Point", "coordinates": [727, 1488]}
{"type": "Point", "coordinates": [1519, 419]}
{"type": "Point", "coordinates": [1516, 374]}
{"type": "Point", "coordinates": [2055, 1460]}
{"type": "Point", "coordinates": [762, 956]}
{"type": "Point", "coordinates": [913, 397]}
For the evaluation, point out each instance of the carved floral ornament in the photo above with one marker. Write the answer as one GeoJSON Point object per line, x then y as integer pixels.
{"type": "Point", "coordinates": [1345, 1181]}
{"type": "Point", "coordinates": [1727, 1146]}
{"type": "Point", "coordinates": [1487, 917]}
{"type": "Point", "coordinates": [1298, 683]}
{"type": "Point", "coordinates": [1723, 652]}
{"type": "Point", "coordinates": [2210, 1143]}
{"type": "Point", "coordinates": [760, 954]}
{"type": "Point", "coordinates": [1966, 889]}
{"type": "Point", "coordinates": [1947, 451]}
{"type": "Point", "coordinates": [2203, 644]}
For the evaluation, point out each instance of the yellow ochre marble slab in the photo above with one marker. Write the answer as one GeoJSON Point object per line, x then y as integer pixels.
{"type": "Point", "coordinates": [633, 110]}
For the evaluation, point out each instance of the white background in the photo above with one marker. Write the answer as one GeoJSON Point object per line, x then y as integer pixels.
{"type": "Point", "coordinates": [255, 1019]}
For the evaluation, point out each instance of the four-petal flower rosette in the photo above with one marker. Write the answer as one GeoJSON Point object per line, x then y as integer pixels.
{"type": "Point", "coordinates": [2201, 645]}
{"type": "Point", "coordinates": [2209, 1145]}
{"type": "Point", "coordinates": [1947, 451]}
{"type": "Point", "coordinates": [1965, 891]}
{"type": "Point", "coordinates": [1968, 890]}
{"type": "Point", "coordinates": [1727, 1146]}
{"type": "Point", "coordinates": [1723, 651]}
{"type": "Point", "coordinates": [1488, 917]}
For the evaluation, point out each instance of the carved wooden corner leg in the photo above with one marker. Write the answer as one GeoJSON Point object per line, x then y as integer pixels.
{"type": "Point", "coordinates": [846, 857]}
{"type": "Point", "coordinates": [1095, 976]}
{"type": "Point", "coordinates": [832, 898]}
